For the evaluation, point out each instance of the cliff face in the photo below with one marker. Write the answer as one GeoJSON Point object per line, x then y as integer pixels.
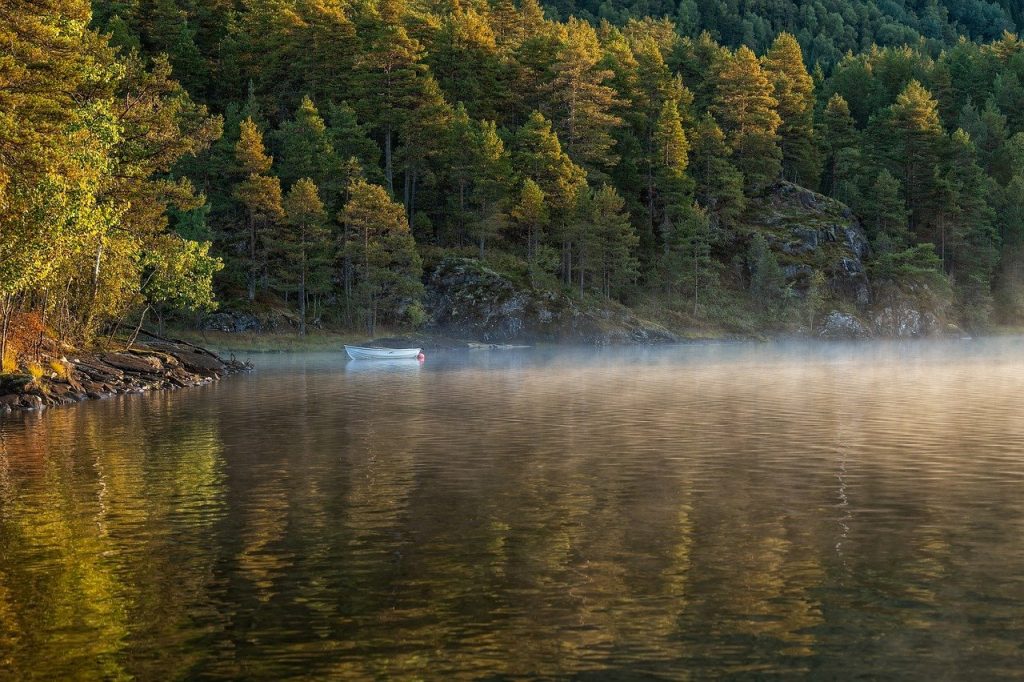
{"type": "Point", "coordinates": [807, 232]}
{"type": "Point", "coordinates": [470, 301]}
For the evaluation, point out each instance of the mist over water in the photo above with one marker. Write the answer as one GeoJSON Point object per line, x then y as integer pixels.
{"type": "Point", "coordinates": [691, 511]}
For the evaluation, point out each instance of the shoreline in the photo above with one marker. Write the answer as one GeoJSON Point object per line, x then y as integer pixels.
{"type": "Point", "coordinates": [158, 365]}
{"type": "Point", "coordinates": [170, 364]}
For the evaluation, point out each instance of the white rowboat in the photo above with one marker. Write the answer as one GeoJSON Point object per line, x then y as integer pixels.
{"type": "Point", "coordinates": [362, 353]}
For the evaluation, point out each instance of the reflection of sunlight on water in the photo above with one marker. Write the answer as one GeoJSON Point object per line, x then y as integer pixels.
{"type": "Point", "coordinates": [729, 509]}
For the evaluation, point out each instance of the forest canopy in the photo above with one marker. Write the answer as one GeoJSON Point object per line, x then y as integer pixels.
{"type": "Point", "coordinates": [325, 153]}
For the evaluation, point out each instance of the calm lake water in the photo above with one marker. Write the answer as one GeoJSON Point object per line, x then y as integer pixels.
{"type": "Point", "coordinates": [686, 512]}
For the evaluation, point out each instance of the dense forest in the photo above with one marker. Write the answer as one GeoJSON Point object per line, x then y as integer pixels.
{"type": "Point", "coordinates": [322, 154]}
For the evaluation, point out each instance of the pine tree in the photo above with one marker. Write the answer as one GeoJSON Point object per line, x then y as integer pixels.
{"type": "Point", "coordinates": [766, 277]}
{"type": "Point", "coordinates": [1010, 274]}
{"type": "Point", "coordinates": [306, 151]}
{"type": "Point", "coordinates": [1009, 97]}
{"type": "Point", "coordinates": [672, 155]}
{"type": "Point", "coordinates": [423, 134]}
{"type": "Point", "coordinates": [794, 91]}
{"type": "Point", "coordinates": [351, 140]}
{"type": "Point", "coordinates": [582, 101]}
{"type": "Point", "coordinates": [493, 179]}
{"type": "Point", "coordinates": [719, 185]}
{"type": "Point", "coordinates": [607, 242]}
{"type": "Point", "coordinates": [885, 215]}
{"type": "Point", "coordinates": [260, 195]}
{"type": "Point", "coordinates": [686, 266]}
{"type": "Point", "coordinates": [538, 155]}
{"type": "Point", "coordinates": [838, 137]}
{"type": "Point", "coordinates": [530, 215]}
{"type": "Point", "coordinates": [389, 82]}
{"type": "Point", "coordinates": [745, 106]}
{"type": "Point", "coordinates": [465, 60]}
{"type": "Point", "coordinates": [907, 138]}
{"type": "Point", "coordinates": [386, 264]}
{"type": "Point", "coordinates": [331, 46]}
{"type": "Point", "coordinates": [971, 243]}
{"type": "Point", "coordinates": [302, 245]}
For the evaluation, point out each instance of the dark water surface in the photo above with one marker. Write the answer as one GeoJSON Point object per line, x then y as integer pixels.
{"type": "Point", "coordinates": [689, 512]}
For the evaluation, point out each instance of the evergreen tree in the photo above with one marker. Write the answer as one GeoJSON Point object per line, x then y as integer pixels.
{"type": "Point", "coordinates": [530, 215]}
{"type": "Point", "coordinates": [304, 265]}
{"type": "Point", "coordinates": [260, 195]}
{"type": "Point", "coordinates": [885, 215]}
{"type": "Point", "coordinates": [1009, 287]}
{"type": "Point", "coordinates": [971, 244]}
{"type": "Point", "coordinates": [383, 252]}
{"type": "Point", "coordinates": [330, 45]}
{"type": "Point", "coordinates": [794, 91]}
{"type": "Point", "coordinates": [306, 151]}
{"type": "Point", "coordinates": [538, 155]}
{"type": "Point", "coordinates": [672, 153]}
{"type": "Point", "coordinates": [608, 242]}
{"type": "Point", "coordinates": [766, 279]}
{"type": "Point", "coordinates": [687, 266]}
{"type": "Point", "coordinates": [465, 60]}
{"type": "Point", "coordinates": [745, 106]}
{"type": "Point", "coordinates": [719, 185]}
{"type": "Point", "coordinates": [582, 101]}
{"type": "Point", "coordinates": [907, 138]}
{"type": "Point", "coordinates": [350, 140]}
{"type": "Point", "coordinates": [389, 82]}
{"type": "Point", "coordinates": [494, 178]}
{"type": "Point", "coordinates": [839, 140]}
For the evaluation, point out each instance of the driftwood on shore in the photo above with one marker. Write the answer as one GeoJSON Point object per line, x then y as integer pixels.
{"type": "Point", "coordinates": [154, 365]}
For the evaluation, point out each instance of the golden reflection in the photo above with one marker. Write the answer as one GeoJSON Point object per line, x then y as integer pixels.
{"type": "Point", "coordinates": [85, 532]}
{"type": "Point", "coordinates": [743, 515]}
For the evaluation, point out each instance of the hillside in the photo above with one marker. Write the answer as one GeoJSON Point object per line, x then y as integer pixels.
{"type": "Point", "coordinates": [166, 157]}
{"type": "Point", "coordinates": [826, 29]}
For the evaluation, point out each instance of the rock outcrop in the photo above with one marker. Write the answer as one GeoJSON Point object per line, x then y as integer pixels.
{"type": "Point", "coordinates": [470, 301]}
{"type": "Point", "coordinates": [842, 326]}
{"type": "Point", "coordinates": [809, 231]}
{"type": "Point", "coordinates": [157, 365]}
{"type": "Point", "coordinates": [910, 310]}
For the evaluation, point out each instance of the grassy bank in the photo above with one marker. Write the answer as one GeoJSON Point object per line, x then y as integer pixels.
{"type": "Point", "coordinates": [268, 342]}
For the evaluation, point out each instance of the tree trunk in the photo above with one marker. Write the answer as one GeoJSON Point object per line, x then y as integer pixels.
{"type": "Point", "coordinates": [412, 199]}
{"type": "Point", "coordinates": [579, 266]}
{"type": "Point", "coordinates": [252, 258]}
{"type": "Point", "coordinates": [696, 282]}
{"type": "Point", "coordinates": [7, 309]}
{"type": "Point", "coordinates": [407, 194]}
{"type": "Point", "coordinates": [302, 296]}
{"type": "Point", "coordinates": [135, 334]}
{"type": "Point", "coordinates": [388, 169]}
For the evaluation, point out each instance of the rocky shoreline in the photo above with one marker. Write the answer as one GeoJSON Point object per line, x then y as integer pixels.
{"type": "Point", "coordinates": [152, 366]}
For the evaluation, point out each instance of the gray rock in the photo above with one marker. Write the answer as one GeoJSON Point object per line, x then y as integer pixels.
{"type": "Point", "coordinates": [467, 300]}
{"type": "Point", "coordinates": [797, 272]}
{"type": "Point", "coordinates": [905, 321]}
{"type": "Point", "coordinates": [857, 241]}
{"type": "Point", "coordinates": [838, 325]}
{"type": "Point", "coordinates": [231, 322]}
{"type": "Point", "coordinates": [909, 310]}
{"type": "Point", "coordinates": [133, 363]}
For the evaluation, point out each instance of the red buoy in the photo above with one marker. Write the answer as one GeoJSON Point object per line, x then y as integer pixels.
{"type": "Point", "coordinates": [421, 357]}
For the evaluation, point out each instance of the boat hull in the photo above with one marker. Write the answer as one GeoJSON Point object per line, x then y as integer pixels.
{"type": "Point", "coordinates": [363, 353]}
